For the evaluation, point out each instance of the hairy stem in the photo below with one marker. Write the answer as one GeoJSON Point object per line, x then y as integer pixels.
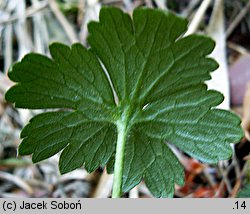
{"type": "Point", "coordinates": [119, 158]}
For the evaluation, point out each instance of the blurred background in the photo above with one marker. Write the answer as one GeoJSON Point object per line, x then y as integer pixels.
{"type": "Point", "coordinates": [31, 25]}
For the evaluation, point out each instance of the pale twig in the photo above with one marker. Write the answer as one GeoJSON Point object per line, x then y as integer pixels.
{"type": "Point", "coordinates": [8, 49]}
{"type": "Point", "coordinates": [134, 193]}
{"type": "Point", "coordinates": [149, 3]}
{"type": "Point", "coordinates": [239, 180]}
{"type": "Point", "coordinates": [209, 177]}
{"type": "Point", "coordinates": [39, 183]}
{"type": "Point", "coordinates": [16, 180]}
{"type": "Point", "coordinates": [194, 24]}
{"type": "Point", "coordinates": [161, 4]}
{"type": "Point", "coordinates": [224, 172]}
{"type": "Point", "coordinates": [144, 190]}
{"type": "Point", "coordinates": [246, 113]}
{"type": "Point", "coordinates": [187, 11]}
{"type": "Point", "coordinates": [78, 174]}
{"type": "Point", "coordinates": [238, 48]}
{"type": "Point", "coordinates": [92, 9]}
{"type": "Point", "coordinates": [63, 21]}
{"type": "Point", "coordinates": [247, 157]}
{"type": "Point", "coordinates": [104, 186]}
{"type": "Point", "coordinates": [225, 178]}
{"type": "Point", "coordinates": [219, 190]}
{"type": "Point", "coordinates": [81, 10]}
{"type": "Point", "coordinates": [238, 19]}
{"type": "Point", "coordinates": [216, 30]}
{"type": "Point", "coordinates": [41, 36]}
{"type": "Point", "coordinates": [236, 166]}
{"type": "Point", "coordinates": [29, 12]}
{"type": "Point", "coordinates": [10, 195]}
{"type": "Point", "coordinates": [21, 30]}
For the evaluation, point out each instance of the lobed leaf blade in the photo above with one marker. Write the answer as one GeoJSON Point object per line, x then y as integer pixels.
{"type": "Point", "coordinates": [158, 77]}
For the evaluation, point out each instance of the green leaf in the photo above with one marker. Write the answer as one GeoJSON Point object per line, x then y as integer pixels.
{"type": "Point", "coordinates": [158, 78]}
{"type": "Point", "coordinates": [244, 192]}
